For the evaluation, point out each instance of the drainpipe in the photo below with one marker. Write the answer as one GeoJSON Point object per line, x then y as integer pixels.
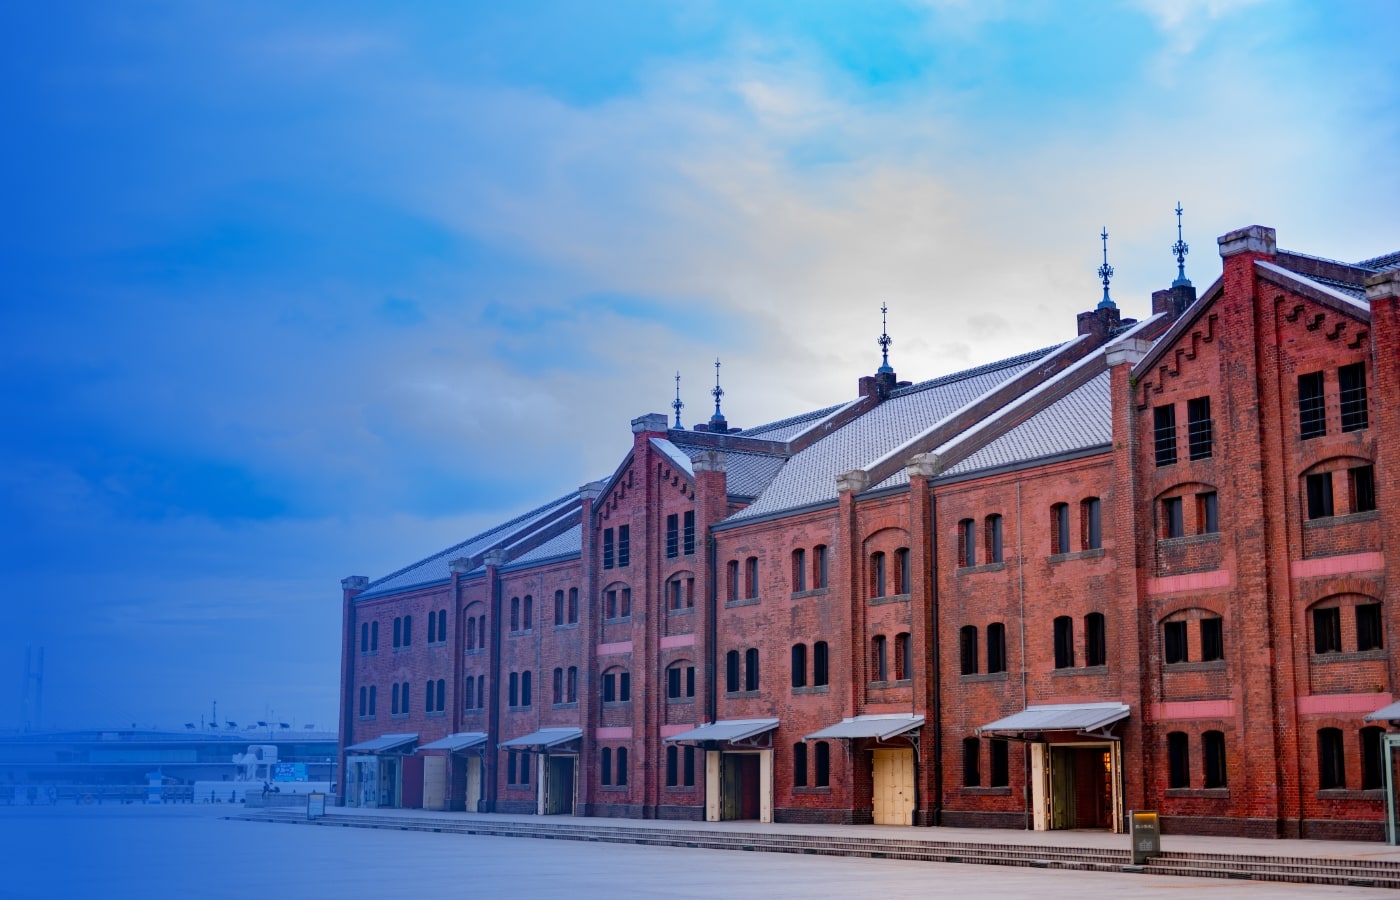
{"type": "Point", "coordinates": [937, 671]}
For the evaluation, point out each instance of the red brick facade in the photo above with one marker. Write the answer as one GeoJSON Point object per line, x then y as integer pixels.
{"type": "Point", "coordinates": [1184, 566]}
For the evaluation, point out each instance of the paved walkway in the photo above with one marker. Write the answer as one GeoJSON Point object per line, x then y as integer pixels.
{"type": "Point", "coordinates": [1282, 849]}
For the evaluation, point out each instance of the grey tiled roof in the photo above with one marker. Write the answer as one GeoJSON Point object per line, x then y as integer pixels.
{"type": "Point", "coordinates": [570, 543]}
{"type": "Point", "coordinates": [785, 429]}
{"type": "Point", "coordinates": [810, 476]}
{"type": "Point", "coordinates": [748, 473]}
{"type": "Point", "coordinates": [437, 568]}
{"type": "Point", "coordinates": [1382, 263]}
{"type": "Point", "coordinates": [674, 454]}
{"type": "Point", "coordinates": [1347, 296]}
{"type": "Point", "coordinates": [1346, 287]}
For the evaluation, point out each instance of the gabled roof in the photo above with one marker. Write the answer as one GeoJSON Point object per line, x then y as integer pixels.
{"type": "Point", "coordinates": [1382, 263]}
{"type": "Point", "coordinates": [809, 478]}
{"type": "Point", "coordinates": [787, 429]}
{"type": "Point", "coordinates": [567, 545]}
{"type": "Point", "coordinates": [748, 472]}
{"type": "Point", "coordinates": [436, 569]}
{"type": "Point", "coordinates": [1349, 300]}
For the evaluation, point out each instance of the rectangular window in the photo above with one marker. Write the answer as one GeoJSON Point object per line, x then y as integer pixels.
{"type": "Point", "coordinates": [1199, 435]}
{"type": "Point", "coordinates": [996, 647]}
{"type": "Point", "coordinates": [819, 565]}
{"type": "Point", "coordinates": [510, 766]}
{"type": "Point", "coordinates": [751, 576]}
{"type": "Point", "coordinates": [1059, 528]}
{"type": "Point", "coordinates": [799, 765]}
{"type": "Point", "coordinates": [1174, 642]}
{"type": "Point", "coordinates": [993, 539]}
{"type": "Point", "coordinates": [1207, 513]}
{"type": "Point", "coordinates": [1095, 640]}
{"type": "Point", "coordinates": [967, 543]}
{"type": "Point", "coordinates": [1213, 747]}
{"type": "Point", "coordinates": [624, 546]}
{"type": "Point", "coordinates": [1064, 642]}
{"type": "Point", "coordinates": [1331, 760]}
{"type": "Point", "coordinates": [901, 571]}
{"type": "Point", "coordinates": [609, 687]}
{"type": "Point", "coordinates": [672, 765]}
{"type": "Point", "coordinates": [799, 571]}
{"type": "Point", "coordinates": [1368, 627]}
{"type": "Point", "coordinates": [1371, 758]}
{"type": "Point", "coordinates": [751, 669]}
{"type": "Point", "coordinates": [1212, 639]}
{"type": "Point", "coordinates": [1171, 518]}
{"type": "Point", "coordinates": [1327, 630]}
{"type": "Point", "coordinates": [1001, 762]}
{"type": "Point", "coordinates": [732, 570]}
{"type": "Point", "coordinates": [1178, 760]}
{"type": "Point", "coordinates": [1352, 380]}
{"type": "Point", "coordinates": [673, 536]}
{"type": "Point", "coordinates": [688, 767]}
{"type": "Point", "coordinates": [1320, 495]}
{"type": "Point", "coordinates": [1312, 410]}
{"type": "Point", "coordinates": [688, 533]}
{"type": "Point", "coordinates": [972, 760]}
{"type": "Point", "coordinates": [1091, 511]}
{"type": "Point", "coordinates": [1361, 482]}
{"type": "Point", "coordinates": [1164, 434]}
{"type": "Point", "coordinates": [609, 548]}
{"type": "Point", "coordinates": [819, 663]}
{"type": "Point", "coordinates": [967, 647]}
{"type": "Point", "coordinates": [673, 682]}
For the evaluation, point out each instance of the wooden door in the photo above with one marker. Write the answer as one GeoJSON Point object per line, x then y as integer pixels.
{"type": "Point", "coordinates": [894, 787]}
{"type": "Point", "coordinates": [473, 783]}
{"type": "Point", "coordinates": [435, 782]}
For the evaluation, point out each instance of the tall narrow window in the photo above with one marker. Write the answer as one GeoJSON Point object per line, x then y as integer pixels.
{"type": "Point", "coordinates": [407, 631]}
{"type": "Point", "coordinates": [573, 606]}
{"type": "Point", "coordinates": [732, 570]}
{"type": "Point", "coordinates": [1059, 528]}
{"type": "Point", "coordinates": [621, 766]}
{"type": "Point", "coordinates": [1352, 380]}
{"type": "Point", "coordinates": [731, 671]}
{"type": "Point", "coordinates": [1172, 524]}
{"type": "Point", "coordinates": [688, 532]}
{"type": "Point", "coordinates": [877, 574]}
{"type": "Point", "coordinates": [481, 692]}
{"type": "Point", "coordinates": [624, 687]}
{"type": "Point", "coordinates": [1312, 411]}
{"type": "Point", "coordinates": [967, 649]}
{"type": "Point", "coordinates": [799, 764]}
{"type": "Point", "coordinates": [571, 694]}
{"type": "Point", "coordinates": [1327, 630]}
{"type": "Point", "coordinates": [972, 762]}
{"type": "Point", "coordinates": [751, 669]}
{"type": "Point", "coordinates": [672, 765]}
{"type": "Point", "coordinates": [1178, 760]}
{"type": "Point", "coordinates": [469, 698]}
{"type": "Point", "coordinates": [514, 693]}
{"type": "Point", "coordinates": [901, 656]}
{"type": "Point", "coordinates": [1164, 434]}
{"type": "Point", "coordinates": [432, 628]}
{"type": "Point", "coordinates": [605, 764]}
{"type": "Point", "coordinates": [525, 693]}
{"type": "Point", "coordinates": [996, 647]}
{"type": "Point", "coordinates": [1213, 756]}
{"type": "Point", "coordinates": [398, 631]}
{"type": "Point", "coordinates": [993, 528]}
{"type": "Point", "coordinates": [441, 694]}
{"type": "Point", "coordinates": [1331, 760]}
{"type": "Point", "coordinates": [1368, 627]}
{"type": "Point", "coordinates": [1091, 515]}
{"type": "Point", "coordinates": [673, 536]}
{"type": "Point", "coordinates": [558, 608]}
{"type": "Point", "coordinates": [1000, 775]}
{"type": "Point", "coordinates": [1207, 513]}
{"type": "Point", "coordinates": [624, 600]}
{"type": "Point", "coordinates": [1095, 640]}
{"type": "Point", "coordinates": [364, 637]}
{"type": "Point", "coordinates": [373, 690]}
{"type": "Point", "coordinates": [374, 637]}
{"type": "Point", "coordinates": [688, 767]}
{"type": "Point", "coordinates": [1361, 482]}
{"type": "Point", "coordinates": [1064, 642]}
{"type": "Point", "coordinates": [1319, 495]}
{"type": "Point", "coordinates": [819, 670]}
{"type": "Point", "coordinates": [481, 631]}
{"type": "Point", "coordinates": [609, 687]}
{"type": "Point", "coordinates": [879, 659]}
{"type": "Point", "coordinates": [624, 546]}
{"type": "Point", "coordinates": [967, 543]}
{"type": "Point", "coordinates": [819, 566]}
{"type": "Point", "coordinates": [823, 778]}
{"type": "Point", "coordinates": [514, 613]}
{"type": "Point", "coordinates": [751, 576]}
{"type": "Point", "coordinates": [1174, 642]}
{"type": "Point", "coordinates": [471, 633]}
{"type": "Point", "coordinates": [799, 665]}
{"type": "Point", "coordinates": [364, 694]}
{"type": "Point", "coordinates": [394, 699]}
{"type": "Point", "coordinates": [1371, 758]}
{"type": "Point", "coordinates": [901, 571]}
{"type": "Point", "coordinates": [558, 684]}
{"type": "Point", "coordinates": [1199, 437]}
{"type": "Point", "coordinates": [609, 548]}
{"type": "Point", "coordinates": [799, 570]}
{"type": "Point", "coordinates": [528, 619]}
{"type": "Point", "coordinates": [511, 767]}
{"type": "Point", "coordinates": [1212, 639]}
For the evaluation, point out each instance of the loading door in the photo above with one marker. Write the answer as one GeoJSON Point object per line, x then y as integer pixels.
{"type": "Point", "coordinates": [894, 787]}
{"type": "Point", "coordinates": [740, 787]}
{"type": "Point", "coordinates": [435, 782]}
{"type": "Point", "coordinates": [559, 799]}
{"type": "Point", "coordinates": [473, 800]}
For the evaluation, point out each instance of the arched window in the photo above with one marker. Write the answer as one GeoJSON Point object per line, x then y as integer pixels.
{"type": "Point", "coordinates": [819, 566]}
{"type": "Point", "coordinates": [819, 664]}
{"type": "Point", "coordinates": [558, 608]}
{"type": "Point", "coordinates": [1059, 528]}
{"type": "Point", "coordinates": [481, 692]}
{"type": "Point", "coordinates": [823, 778]}
{"type": "Point", "coordinates": [1064, 642]}
{"type": "Point", "coordinates": [525, 693]}
{"type": "Point", "coordinates": [879, 659]}
{"type": "Point", "coordinates": [514, 613]}
{"type": "Point", "coordinates": [469, 695]}
{"type": "Point", "coordinates": [751, 669]}
{"type": "Point", "coordinates": [432, 627]}
{"type": "Point", "coordinates": [1178, 760]}
{"type": "Point", "coordinates": [967, 543]}
{"type": "Point", "coordinates": [481, 632]}
{"type": "Point", "coordinates": [407, 630]}
{"type": "Point", "coordinates": [617, 686]}
{"type": "Point", "coordinates": [442, 695]}
{"type": "Point", "coordinates": [1091, 519]}
{"type": "Point", "coordinates": [572, 693]}
{"type": "Point", "coordinates": [364, 637]}
{"type": "Point", "coordinates": [1213, 753]}
{"type": "Point", "coordinates": [877, 574]}
{"type": "Point", "coordinates": [442, 625]}
{"type": "Point", "coordinates": [751, 576]}
{"type": "Point", "coordinates": [428, 695]}
{"type": "Point", "coordinates": [1095, 640]}
{"type": "Point", "coordinates": [996, 647]}
{"type": "Point", "coordinates": [799, 764]}
{"type": "Point", "coordinates": [901, 571]}
{"type": "Point", "coordinates": [625, 603]}
{"type": "Point", "coordinates": [1001, 763]}
{"type": "Point", "coordinates": [513, 695]}
{"type": "Point", "coordinates": [672, 765]}
{"type": "Point", "coordinates": [605, 764]}
{"type": "Point", "coordinates": [373, 690]}
{"type": "Point", "coordinates": [680, 680]}
{"type": "Point", "coordinates": [403, 697]}
{"type": "Point", "coordinates": [621, 765]}
{"type": "Point", "coordinates": [731, 671]}
{"type": "Point", "coordinates": [398, 631]}
{"type": "Point", "coordinates": [901, 656]}
{"type": "Point", "coordinates": [1331, 759]}
{"type": "Point", "coordinates": [558, 684]}
{"type": "Point", "coordinates": [993, 528]}
{"type": "Point", "coordinates": [394, 699]}
{"type": "Point", "coordinates": [374, 637]}
{"type": "Point", "coordinates": [799, 665]}
{"type": "Point", "coordinates": [972, 762]}
{"type": "Point", "coordinates": [799, 570]}
{"type": "Point", "coordinates": [732, 571]}
{"type": "Point", "coordinates": [573, 605]}
{"type": "Point", "coordinates": [471, 633]}
{"type": "Point", "coordinates": [967, 649]}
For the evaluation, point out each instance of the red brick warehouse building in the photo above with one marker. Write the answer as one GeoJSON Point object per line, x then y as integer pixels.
{"type": "Point", "coordinates": [1143, 568]}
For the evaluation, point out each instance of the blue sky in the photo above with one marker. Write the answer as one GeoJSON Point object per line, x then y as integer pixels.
{"type": "Point", "coordinates": [301, 291]}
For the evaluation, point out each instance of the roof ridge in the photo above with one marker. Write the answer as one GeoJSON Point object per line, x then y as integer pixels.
{"type": "Point", "coordinates": [983, 369]}
{"type": "Point", "coordinates": [793, 420]}
{"type": "Point", "coordinates": [1385, 260]}
{"type": "Point", "coordinates": [471, 540]}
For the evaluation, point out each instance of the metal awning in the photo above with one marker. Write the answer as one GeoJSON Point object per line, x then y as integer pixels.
{"type": "Point", "coordinates": [462, 740]}
{"type": "Point", "coordinates": [1083, 718]}
{"type": "Point", "coordinates": [882, 727]}
{"type": "Point", "coordinates": [384, 744]}
{"type": "Point", "coordinates": [1384, 714]}
{"type": "Point", "coordinates": [725, 731]}
{"type": "Point", "coordinates": [544, 739]}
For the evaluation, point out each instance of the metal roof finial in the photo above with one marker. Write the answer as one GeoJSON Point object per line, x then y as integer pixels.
{"type": "Point", "coordinates": [884, 340]}
{"type": "Point", "coordinates": [717, 393]}
{"type": "Point", "coordinates": [676, 404]}
{"type": "Point", "coordinates": [1106, 273]}
{"type": "Point", "coordinates": [1180, 249]}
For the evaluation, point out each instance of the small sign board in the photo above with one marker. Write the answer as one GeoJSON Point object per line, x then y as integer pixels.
{"type": "Point", "coordinates": [1146, 832]}
{"type": "Point", "coordinates": [315, 805]}
{"type": "Point", "coordinates": [289, 772]}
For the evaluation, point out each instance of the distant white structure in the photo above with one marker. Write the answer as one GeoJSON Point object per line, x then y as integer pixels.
{"type": "Point", "coordinates": [258, 764]}
{"type": "Point", "coordinates": [258, 767]}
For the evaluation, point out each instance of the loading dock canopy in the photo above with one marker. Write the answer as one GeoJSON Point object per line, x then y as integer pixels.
{"type": "Point", "coordinates": [882, 727]}
{"type": "Point", "coordinates": [385, 743]}
{"type": "Point", "coordinates": [725, 731]}
{"type": "Point", "coordinates": [544, 739]}
{"type": "Point", "coordinates": [1385, 714]}
{"type": "Point", "coordinates": [1083, 718]}
{"type": "Point", "coordinates": [462, 740]}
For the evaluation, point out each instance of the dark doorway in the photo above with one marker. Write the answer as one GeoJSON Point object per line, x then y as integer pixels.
{"type": "Point", "coordinates": [560, 797]}
{"type": "Point", "coordinates": [1081, 787]}
{"type": "Point", "coordinates": [740, 786]}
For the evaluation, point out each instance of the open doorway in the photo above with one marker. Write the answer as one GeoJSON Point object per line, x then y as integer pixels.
{"type": "Point", "coordinates": [1077, 786]}
{"type": "Point", "coordinates": [739, 786]}
{"type": "Point", "coordinates": [559, 784]}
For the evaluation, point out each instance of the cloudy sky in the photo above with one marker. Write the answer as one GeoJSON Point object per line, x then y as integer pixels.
{"type": "Point", "coordinates": [299, 291]}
